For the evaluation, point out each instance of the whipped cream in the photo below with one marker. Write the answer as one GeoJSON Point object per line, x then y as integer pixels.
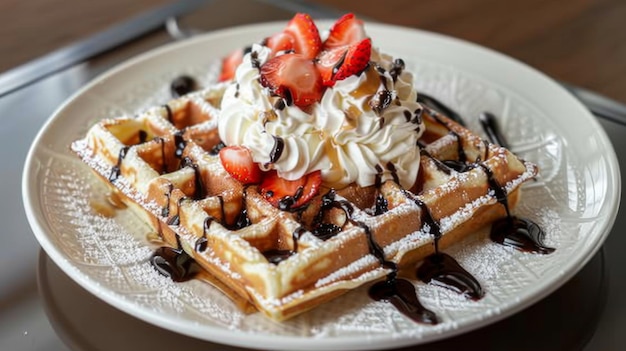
{"type": "Point", "coordinates": [364, 126]}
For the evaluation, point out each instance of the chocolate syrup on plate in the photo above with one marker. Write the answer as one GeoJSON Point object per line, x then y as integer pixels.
{"type": "Point", "coordinates": [182, 85]}
{"type": "Point", "coordinates": [174, 263]}
{"type": "Point", "coordinates": [490, 126]}
{"type": "Point", "coordinates": [440, 107]}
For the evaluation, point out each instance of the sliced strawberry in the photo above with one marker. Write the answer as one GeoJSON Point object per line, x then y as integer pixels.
{"type": "Point", "coordinates": [343, 61]}
{"type": "Point", "coordinates": [279, 42]}
{"type": "Point", "coordinates": [230, 64]}
{"type": "Point", "coordinates": [306, 36]}
{"type": "Point", "coordinates": [289, 195]}
{"type": "Point", "coordinates": [237, 161]}
{"type": "Point", "coordinates": [346, 31]}
{"type": "Point", "coordinates": [294, 78]}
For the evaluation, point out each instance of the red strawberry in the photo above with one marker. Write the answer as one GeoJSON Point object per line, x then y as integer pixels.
{"type": "Point", "coordinates": [279, 42]}
{"type": "Point", "coordinates": [347, 30]}
{"type": "Point", "coordinates": [237, 161]}
{"type": "Point", "coordinates": [230, 64]}
{"type": "Point", "coordinates": [343, 61]}
{"type": "Point", "coordinates": [305, 34]}
{"type": "Point", "coordinates": [293, 77]}
{"type": "Point", "coordinates": [290, 194]}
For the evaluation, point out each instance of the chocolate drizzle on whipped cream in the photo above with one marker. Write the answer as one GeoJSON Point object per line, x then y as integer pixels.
{"type": "Point", "coordinates": [383, 97]}
{"type": "Point", "coordinates": [277, 149]}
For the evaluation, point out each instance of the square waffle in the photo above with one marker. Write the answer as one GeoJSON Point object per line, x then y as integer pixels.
{"type": "Point", "coordinates": [165, 165]}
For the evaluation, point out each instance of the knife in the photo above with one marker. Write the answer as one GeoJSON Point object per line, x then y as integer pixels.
{"type": "Point", "coordinates": [111, 38]}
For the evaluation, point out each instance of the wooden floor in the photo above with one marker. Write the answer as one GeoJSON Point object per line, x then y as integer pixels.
{"type": "Point", "coordinates": [579, 41]}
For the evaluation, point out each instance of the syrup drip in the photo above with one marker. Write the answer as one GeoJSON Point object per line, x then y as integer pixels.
{"type": "Point", "coordinates": [202, 242]}
{"type": "Point", "coordinates": [168, 110]}
{"type": "Point", "coordinates": [277, 149]}
{"type": "Point", "coordinates": [163, 159]}
{"type": "Point", "coordinates": [383, 97]}
{"type": "Point", "coordinates": [174, 263]}
{"type": "Point", "coordinates": [402, 295]}
{"type": "Point", "coordinates": [286, 203]}
{"type": "Point", "coordinates": [396, 69]}
{"type": "Point", "coordinates": [180, 143]}
{"type": "Point", "coordinates": [440, 107]}
{"type": "Point", "coordinates": [399, 292]}
{"type": "Point", "coordinates": [143, 136]}
{"type": "Point", "coordinates": [242, 219]}
{"type": "Point", "coordinates": [115, 171]}
{"type": "Point", "coordinates": [175, 220]}
{"type": "Point", "coordinates": [441, 269]}
{"type": "Point", "coordinates": [254, 59]}
{"type": "Point", "coordinates": [382, 205]}
{"type": "Point", "coordinates": [490, 126]}
{"type": "Point", "coordinates": [276, 256]}
{"type": "Point", "coordinates": [182, 85]}
{"type": "Point", "coordinates": [519, 233]}
{"type": "Point", "coordinates": [216, 149]}
{"type": "Point", "coordinates": [199, 188]}
{"type": "Point", "coordinates": [279, 105]}
{"type": "Point", "coordinates": [165, 211]}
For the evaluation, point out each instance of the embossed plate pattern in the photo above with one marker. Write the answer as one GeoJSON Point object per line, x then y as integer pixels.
{"type": "Point", "coordinates": [575, 198]}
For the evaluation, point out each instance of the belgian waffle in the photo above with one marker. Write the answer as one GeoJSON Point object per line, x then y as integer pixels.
{"type": "Point", "coordinates": [164, 163]}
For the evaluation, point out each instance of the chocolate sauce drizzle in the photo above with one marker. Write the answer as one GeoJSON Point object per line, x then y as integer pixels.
{"type": "Point", "coordinates": [520, 233]}
{"type": "Point", "coordinates": [490, 126]}
{"type": "Point", "coordinates": [275, 256]}
{"type": "Point", "coordinates": [383, 97]}
{"type": "Point", "coordinates": [277, 149]}
{"type": "Point", "coordinates": [397, 69]}
{"type": "Point", "coordinates": [382, 205]}
{"type": "Point", "coordinates": [440, 107]}
{"type": "Point", "coordinates": [174, 263]}
{"type": "Point", "coordinates": [165, 211]}
{"type": "Point", "coordinates": [182, 85]}
{"type": "Point", "coordinates": [168, 110]}
{"type": "Point", "coordinates": [199, 188]}
{"type": "Point", "coordinates": [115, 171]}
{"type": "Point", "coordinates": [180, 143]}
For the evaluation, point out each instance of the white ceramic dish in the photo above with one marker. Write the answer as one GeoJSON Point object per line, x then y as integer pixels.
{"type": "Point", "coordinates": [575, 198]}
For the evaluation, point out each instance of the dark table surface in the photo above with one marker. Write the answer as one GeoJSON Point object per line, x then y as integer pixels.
{"type": "Point", "coordinates": [580, 42]}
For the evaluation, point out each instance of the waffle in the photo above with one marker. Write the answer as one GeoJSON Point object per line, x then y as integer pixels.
{"type": "Point", "coordinates": [164, 164]}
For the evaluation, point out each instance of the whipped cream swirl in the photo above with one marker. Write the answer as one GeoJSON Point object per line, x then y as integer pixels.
{"type": "Point", "coordinates": [364, 126]}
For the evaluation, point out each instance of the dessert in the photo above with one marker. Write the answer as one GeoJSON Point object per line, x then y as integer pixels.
{"type": "Point", "coordinates": [311, 169]}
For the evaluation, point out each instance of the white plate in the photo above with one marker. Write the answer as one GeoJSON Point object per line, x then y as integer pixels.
{"type": "Point", "coordinates": [575, 198]}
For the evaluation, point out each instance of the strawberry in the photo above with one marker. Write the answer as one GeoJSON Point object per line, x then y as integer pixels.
{"type": "Point", "coordinates": [346, 31]}
{"type": "Point", "coordinates": [230, 64]}
{"type": "Point", "coordinates": [294, 78]}
{"type": "Point", "coordinates": [343, 61]}
{"type": "Point", "coordinates": [290, 195]}
{"type": "Point", "coordinates": [237, 161]}
{"type": "Point", "coordinates": [279, 42]}
{"type": "Point", "coordinates": [306, 36]}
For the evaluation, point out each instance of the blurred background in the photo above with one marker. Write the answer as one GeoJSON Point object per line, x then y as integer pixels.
{"type": "Point", "coordinates": [578, 41]}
